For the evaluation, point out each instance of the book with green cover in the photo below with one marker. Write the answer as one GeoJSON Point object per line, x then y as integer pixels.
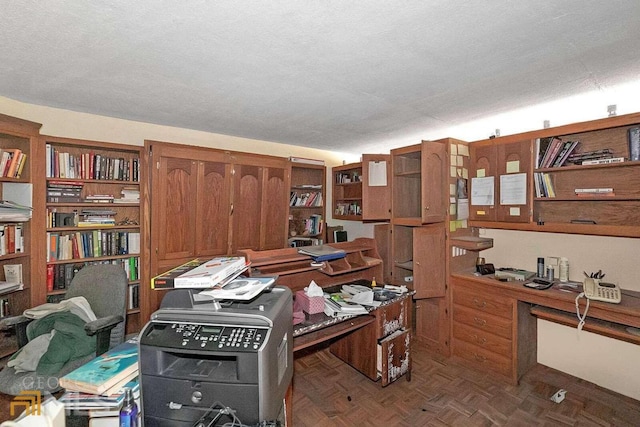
{"type": "Point", "coordinates": [103, 372]}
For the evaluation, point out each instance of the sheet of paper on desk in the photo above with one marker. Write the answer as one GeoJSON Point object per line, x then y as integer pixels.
{"type": "Point", "coordinates": [364, 298]}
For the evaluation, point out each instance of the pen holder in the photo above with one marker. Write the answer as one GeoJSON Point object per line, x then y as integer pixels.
{"type": "Point", "coordinates": [311, 305]}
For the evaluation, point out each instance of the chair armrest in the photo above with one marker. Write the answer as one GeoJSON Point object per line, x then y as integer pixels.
{"type": "Point", "coordinates": [101, 328]}
{"type": "Point", "coordinates": [20, 323]}
{"type": "Point", "coordinates": [102, 324]}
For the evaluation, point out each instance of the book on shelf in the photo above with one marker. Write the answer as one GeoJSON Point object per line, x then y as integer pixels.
{"type": "Point", "coordinates": [321, 253]}
{"type": "Point", "coordinates": [603, 161]}
{"type": "Point", "coordinates": [116, 366]}
{"type": "Point", "coordinates": [200, 274]}
{"type": "Point", "coordinates": [13, 273]}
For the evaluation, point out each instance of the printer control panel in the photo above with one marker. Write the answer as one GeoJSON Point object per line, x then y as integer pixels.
{"type": "Point", "coordinates": [206, 337]}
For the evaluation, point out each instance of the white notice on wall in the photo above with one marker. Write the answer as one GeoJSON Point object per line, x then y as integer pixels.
{"type": "Point", "coordinates": [482, 193]}
{"type": "Point", "coordinates": [378, 174]}
{"type": "Point", "coordinates": [513, 189]}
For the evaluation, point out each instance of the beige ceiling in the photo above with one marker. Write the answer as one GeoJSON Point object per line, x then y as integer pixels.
{"type": "Point", "coordinates": [351, 76]}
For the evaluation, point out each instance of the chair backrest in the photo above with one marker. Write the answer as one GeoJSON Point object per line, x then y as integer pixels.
{"type": "Point", "coordinates": [105, 288]}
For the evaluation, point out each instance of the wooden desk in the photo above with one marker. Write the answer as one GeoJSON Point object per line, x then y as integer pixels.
{"type": "Point", "coordinates": [357, 339]}
{"type": "Point", "coordinates": [494, 323]}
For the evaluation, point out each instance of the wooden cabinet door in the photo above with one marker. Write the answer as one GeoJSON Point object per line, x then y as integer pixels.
{"type": "Point", "coordinates": [429, 264]}
{"type": "Point", "coordinates": [376, 199]}
{"type": "Point", "coordinates": [394, 357]}
{"type": "Point", "coordinates": [247, 202]}
{"type": "Point", "coordinates": [173, 213]}
{"type": "Point", "coordinates": [514, 160]}
{"type": "Point", "coordinates": [483, 166]}
{"type": "Point", "coordinates": [275, 208]}
{"type": "Point", "coordinates": [213, 208]}
{"type": "Point", "coordinates": [434, 179]}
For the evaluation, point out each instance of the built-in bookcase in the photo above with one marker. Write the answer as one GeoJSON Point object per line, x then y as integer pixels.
{"type": "Point", "coordinates": [93, 216]}
{"type": "Point", "coordinates": [18, 182]}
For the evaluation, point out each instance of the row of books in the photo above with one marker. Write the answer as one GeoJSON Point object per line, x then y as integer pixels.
{"type": "Point", "coordinates": [133, 301]}
{"type": "Point", "coordinates": [59, 276]}
{"type": "Point", "coordinates": [352, 208]}
{"type": "Point", "coordinates": [11, 238]}
{"type": "Point", "coordinates": [313, 225]}
{"type": "Point", "coordinates": [543, 185]}
{"type": "Point", "coordinates": [305, 199]}
{"type": "Point", "coordinates": [12, 161]}
{"type": "Point", "coordinates": [553, 152]}
{"type": "Point", "coordinates": [346, 177]}
{"type": "Point", "coordinates": [61, 164]}
{"type": "Point", "coordinates": [84, 218]}
{"type": "Point", "coordinates": [91, 244]}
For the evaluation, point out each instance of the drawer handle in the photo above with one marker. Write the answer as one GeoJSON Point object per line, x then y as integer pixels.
{"type": "Point", "coordinates": [479, 357]}
{"type": "Point", "coordinates": [479, 321]}
{"type": "Point", "coordinates": [479, 340]}
{"type": "Point", "coordinates": [479, 304]}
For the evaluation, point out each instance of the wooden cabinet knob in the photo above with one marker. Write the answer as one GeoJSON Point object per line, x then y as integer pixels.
{"type": "Point", "coordinates": [479, 321]}
{"type": "Point", "coordinates": [478, 303]}
{"type": "Point", "coordinates": [479, 357]}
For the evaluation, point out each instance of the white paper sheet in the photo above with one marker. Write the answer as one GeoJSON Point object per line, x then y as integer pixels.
{"type": "Point", "coordinates": [378, 174]}
{"type": "Point", "coordinates": [482, 193]}
{"type": "Point", "coordinates": [513, 189]}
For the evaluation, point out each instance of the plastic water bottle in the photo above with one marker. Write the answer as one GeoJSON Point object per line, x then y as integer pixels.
{"type": "Point", "coordinates": [129, 411]}
{"type": "Point", "coordinates": [563, 274]}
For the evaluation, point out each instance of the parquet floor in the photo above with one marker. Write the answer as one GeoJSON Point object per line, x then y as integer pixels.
{"type": "Point", "coordinates": [442, 392]}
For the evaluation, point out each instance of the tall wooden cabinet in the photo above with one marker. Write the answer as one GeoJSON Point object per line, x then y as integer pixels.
{"type": "Point", "coordinates": [418, 233]}
{"type": "Point", "coordinates": [206, 202]}
{"type": "Point", "coordinates": [20, 137]}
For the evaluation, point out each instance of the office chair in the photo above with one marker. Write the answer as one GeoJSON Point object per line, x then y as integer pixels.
{"type": "Point", "coordinates": [105, 288]}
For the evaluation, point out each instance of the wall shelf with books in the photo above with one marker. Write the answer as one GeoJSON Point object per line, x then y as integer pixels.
{"type": "Point", "coordinates": [596, 189]}
{"type": "Point", "coordinates": [306, 203]}
{"type": "Point", "coordinates": [20, 179]}
{"type": "Point", "coordinates": [93, 215]}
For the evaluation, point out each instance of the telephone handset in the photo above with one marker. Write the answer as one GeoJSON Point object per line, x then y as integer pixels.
{"type": "Point", "coordinates": [596, 290]}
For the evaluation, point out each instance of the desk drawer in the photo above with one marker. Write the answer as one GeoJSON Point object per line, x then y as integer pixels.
{"type": "Point", "coordinates": [483, 359]}
{"type": "Point", "coordinates": [483, 302]}
{"type": "Point", "coordinates": [393, 358]}
{"type": "Point", "coordinates": [392, 317]}
{"type": "Point", "coordinates": [482, 339]}
{"type": "Point", "coordinates": [483, 321]}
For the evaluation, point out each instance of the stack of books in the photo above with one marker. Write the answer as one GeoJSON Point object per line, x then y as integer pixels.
{"type": "Point", "coordinates": [106, 374]}
{"type": "Point", "coordinates": [595, 192]}
{"type": "Point", "coordinates": [596, 157]}
{"type": "Point", "coordinates": [64, 191]}
{"type": "Point", "coordinates": [130, 194]}
{"type": "Point", "coordinates": [201, 274]}
{"type": "Point", "coordinates": [93, 217]}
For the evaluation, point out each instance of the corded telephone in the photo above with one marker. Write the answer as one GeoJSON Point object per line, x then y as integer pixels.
{"type": "Point", "coordinates": [596, 290]}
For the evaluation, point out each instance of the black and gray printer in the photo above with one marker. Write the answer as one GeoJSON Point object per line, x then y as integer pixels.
{"type": "Point", "coordinates": [206, 357]}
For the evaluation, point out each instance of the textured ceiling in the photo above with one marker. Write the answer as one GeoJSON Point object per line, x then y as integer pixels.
{"type": "Point", "coordinates": [350, 76]}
